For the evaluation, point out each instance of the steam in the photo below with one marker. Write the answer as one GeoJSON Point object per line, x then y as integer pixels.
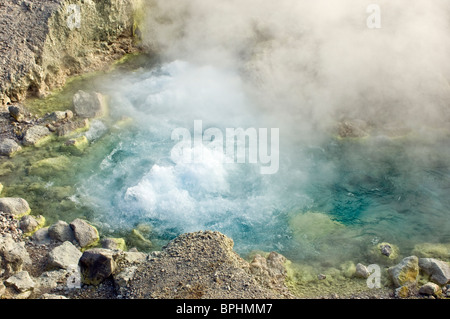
{"type": "Point", "coordinates": [316, 62]}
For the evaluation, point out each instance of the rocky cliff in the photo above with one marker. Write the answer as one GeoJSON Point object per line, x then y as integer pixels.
{"type": "Point", "coordinates": [42, 42]}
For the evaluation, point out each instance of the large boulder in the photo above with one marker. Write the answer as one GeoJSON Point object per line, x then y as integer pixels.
{"type": "Point", "coordinates": [96, 265]}
{"type": "Point", "coordinates": [406, 272]}
{"type": "Point", "coordinates": [89, 105]}
{"type": "Point", "coordinates": [437, 269]}
{"type": "Point", "coordinates": [85, 233]}
{"type": "Point", "coordinates": [36, 135]}
{"type": "Point", "coordinates": [64, 256]}
{"type": "Point", "coordinates": [14, 206]}
{"type": "Point", "coordinates": [9, 147]}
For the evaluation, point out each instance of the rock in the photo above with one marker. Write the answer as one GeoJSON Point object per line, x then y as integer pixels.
{"type": "Point", "coordinates": [96, 265]}
{"type": "Point", "coordinates": [13, 254]}
{"type": "Point", "coordinates": [432, 250]}
{"type": "Point", "coordinates": [437, 269]}
{"type": "Point", "coordinates": [64, 256]}
{"type": "Point", "coordinates": [403, 291]}
{"type": "Point", "coordinates": [429, 289]}
{"type": "Point", "coordinates": [21, 281]}
{"type": "Point", "coordinates": [270, 271]}
{"type": "Point", "coordinates": [77, 145]}
{"type": "Point", "coordinates": [122, 279]}
{"type": "Point", "coordinates": [49, 280]}
{"type": "Point", "coordinates": [85, 234]}
{"type": "Point", "coordinates": [29, 224]}
{"type": "Point", "coordinates": [114, 243]}
{"type": "Point", "coordinates": [41, 237]}
{"type": "Point", "coordinates": [14, 206]}
{"type": "Point", "coordinates": [362, 271]}
{"type": "Point", "coordinates": [137, 239]}
{"type": "Point", "coordinates": [133, 257]}
{"type": "Point", "coordinates": [17, 112]}
{"type": "Point", "coordinates": [89, 105]}
{"type": "Point", "coordinates": [353, 129]}
{"type": "Point", "coordinates": [36, 135]}
{"type": "Point", "coordinates": [386, 250]}
{"type": "Point", "coordinates": [61, 231]}
{"type": "Point", "coordinates": [405, 272]}
{"type": "Point", "coordinates": [53, 296]}
{"type": "Point", "coordinates": [9, 147]}
{"type": "Point", "coordinates": [73, 127]}
{"type": "Point", "coordinates": [50, 166]}
{"type": "Point", "coordinates": [59, 116]}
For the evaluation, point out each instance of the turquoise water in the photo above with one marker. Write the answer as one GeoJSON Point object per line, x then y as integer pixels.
{"type": "Point", "coordinates": [361, 191]}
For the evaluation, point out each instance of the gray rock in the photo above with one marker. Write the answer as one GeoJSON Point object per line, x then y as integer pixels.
{"type": "Point", "coordinates": [13, 254]}
{"type": "Point", "coordinates": [9, 147]}
{"type": "Point", "coordinates": [57, 116]}
{"type": "Point", "coordinates": [122, 279]}
{"type": "Point", "coordinates": [41, 237]}
{"type": "Point", "coordinates": [429, 289]}
{"type": "Point", "coordinates": [73, 126]}
{"type": "Point", "coordinates": [21, 281]}
{"type": "Point", "coordinates": [17, 112]}
{"type": "Point", "coordinates": [96, 265]}
{"type": "Point", "coordinates": [28, 224]}
{"type": "Point", "coordinates": [437, 269]}
{"type": "Point", "coordinates": [406, 272]}
{"type": "Point", "coordinates": [49, 280]}
{"type": "Point", "coordinates": [89, 105]}
{"type": "Point", "coordinates": [386, 250]}
{"type": "Point", "coordinates": [362, 271]}
{"type": "Point", "coordinates": [35, 134]}
{"type": "Point", "coordinates": [85, 233]}
{"type": "Point", "coordinates": [64, 256]}
{"type": "Point", "coordinates": [14, 206]}
{"type": "Point", "coordinates": [133, 257]}
{"type": "Point", "coordinates": [61, 231]}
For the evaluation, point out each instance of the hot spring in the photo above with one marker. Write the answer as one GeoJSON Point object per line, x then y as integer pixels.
{"type": "Point", "coordinates": [330, 200]}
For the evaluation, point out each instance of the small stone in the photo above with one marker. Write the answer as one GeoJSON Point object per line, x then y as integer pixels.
{"type": "Point", "coordinates": [403, 292]}
{"type": "Point", "coordinates": [29, 224]}
{"type": "Point", "coordinates": [321, 276]}
{"type": "Point", "coordinates": [362, 271]}
{"type": "Point", "coordinates": [17, 112]}
{"type": "Point", "coordinates": [85, 234]}
{"type": "Point", "coordinates": [429, 289]}
{"type": "Point", "coordinates": [36, 135]}
{"type": "Point", "coordinates": [21, 281]}
{"type": "Point", "coordinates": [61, 231]}
{"type": "Point", "coordinates": [15, 206]}
{"type": "Point", "coordinates": [386, 250]}
{"type": "Point", "coordinates": [9, 147]}
{"type": "Point", "coordinates": [64, 256]}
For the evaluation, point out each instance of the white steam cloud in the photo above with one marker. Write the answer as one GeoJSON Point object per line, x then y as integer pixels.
{"type": "Point", "coordinates": [317, 62]}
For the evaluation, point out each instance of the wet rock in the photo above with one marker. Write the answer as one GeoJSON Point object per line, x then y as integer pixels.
{"type": "Point", "coordinates": [36, 135]}
{"type": "Point", "coordinates": [15, 206]}
{"type": "Point", "coordinates": [406, 272]}
{"type": "Point", "coordinates": [89, 105]}
{"type": "Point", "coordinates": [9, 147]}
{"type": "Point", "coordinates": [96, 265]}
{"type": "Point", "coordinates": [437, 269]}
{"type": "Point", "coordinates": [76, 146]}
{"type": "Point", "coordinates": [29, 224]}
{"type": "Point", "coordinates": [384, 253]}
{"type": "Point", "coordinates": [386, 250]}
{"type": "Point", "coordinates": [85, 234]}
{"type": "Point", "coordinates": [41, 237]}
{"type": "Point", "coordinates": [61, 231]}
{"type": "Point", "coordinates": [432, 250]}
{"type": "Point", "coordinates": [138, 240]}
{"type": "Point", "coordinates": [362, 271]}
{"type": "Point", "coordinates": [64, 256]}
{"type": "Point", "coordinates": [114, 243]}
{"type": "Point", "coordinates": [21, 281]}
{"type": "Point", "coordinates": [50, 166]}
{"type": "Point", "coordinates": [429, 289]}
{"type": "Point", "coordinates": [73, 127]}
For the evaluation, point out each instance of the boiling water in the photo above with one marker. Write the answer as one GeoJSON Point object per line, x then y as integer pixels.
{"type": "Point", "coordinates": [331, 200]}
